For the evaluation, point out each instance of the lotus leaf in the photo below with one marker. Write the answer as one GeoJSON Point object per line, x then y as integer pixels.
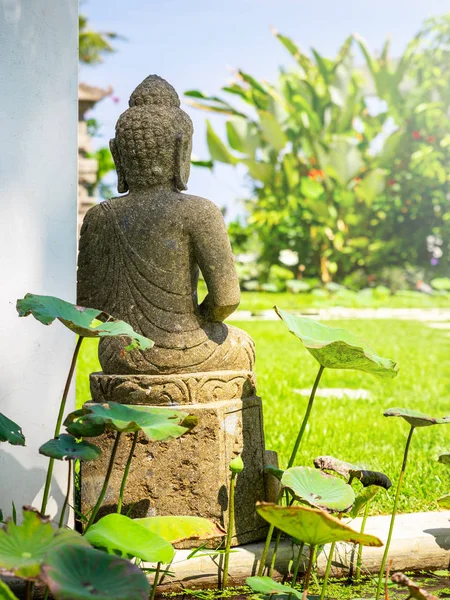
{"type": "Point", "coordinates": [75, 573]}
{"type": "Point", "coordinates": [11, 432]}
{"type": "Point", "coordinates": [415, 418]}
{"type": "Point", "coordinates": [444, 502]}
{"type": "Point", "coordinates": [444, 459]}
{"type": "Point", "coordinates": [176, 529]}
{"type": "Point", "coordinates": [157, 424]}
{"type": "Point", "coordinates": [66, 446]}
{"type": "Point", "coordinates": [312, 525]}
{"type": "Point", "coordinates": [414, 590]}
{"type": "Point", "coordinates": [363, 498]}
{"type": "Point", "coordinates": [337, 348]}
{"type": "Point", "coordinates": [6, 593]}
{"type": "Point", "coordinates": [24, 547]}
{"type": "Point", "coordinates": [318, 489]}
{"type": "Point", "coordinates": [80, 320]}
{"type": "Point", "coordinates": [120, 533]}
{"type": "Point", "coordinates": [267, 586]}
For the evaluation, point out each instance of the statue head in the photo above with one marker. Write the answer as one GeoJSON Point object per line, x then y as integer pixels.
{"type": "Point", "coordinates": [153, 140]}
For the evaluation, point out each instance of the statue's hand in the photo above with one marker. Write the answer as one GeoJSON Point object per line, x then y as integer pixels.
{"type": "Point", "coordinates": [213, 312]}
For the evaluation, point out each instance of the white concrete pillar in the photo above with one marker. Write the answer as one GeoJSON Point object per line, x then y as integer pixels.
{"type": "Point", "coordinates": [38, 224]}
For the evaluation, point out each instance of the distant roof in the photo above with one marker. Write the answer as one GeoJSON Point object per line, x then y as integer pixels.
{"type": "Point", "coordinates": [89, 93]}
{"type": "Point", "coordinates": [88, 96]}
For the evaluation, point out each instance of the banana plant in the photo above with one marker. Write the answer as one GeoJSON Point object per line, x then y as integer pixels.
{"type": "Point", "coordinates": [301, 145]}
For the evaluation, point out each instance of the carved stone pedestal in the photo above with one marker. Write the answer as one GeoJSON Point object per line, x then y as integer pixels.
{"type": "Point", "coordinates": [189, 475]}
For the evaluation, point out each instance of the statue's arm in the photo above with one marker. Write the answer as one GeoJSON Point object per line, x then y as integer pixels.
{"type": "Point", "coordinates": [214, 257]}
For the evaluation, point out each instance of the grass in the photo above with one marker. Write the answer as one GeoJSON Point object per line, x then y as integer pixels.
{"type": "Point", "coordinates": [339, 589]}
{"type": "Point", "coordinates": [258, 301]}
{"type": "Point", "coordinates": [353, 430]}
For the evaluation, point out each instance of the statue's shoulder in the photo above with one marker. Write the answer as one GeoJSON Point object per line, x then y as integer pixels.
{"type": "Point", "coordinates": [198, 207]}
{"type": "Point", "coordinates": [96, 213]}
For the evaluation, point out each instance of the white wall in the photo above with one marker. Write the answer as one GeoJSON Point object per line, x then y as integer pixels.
{"type": "Point", "coordinates": [38, 220]}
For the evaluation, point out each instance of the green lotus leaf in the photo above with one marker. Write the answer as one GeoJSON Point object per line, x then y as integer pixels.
{"type": "Point", "coordinates": [157, 423]}
{"type": "Point", "coordinates": [74, 573]}
{"type": "Point", "coordinates": [312, 525]}
{"type": "Point", "coordinates": [444, 502]}
{"type": "Point", "coordinates": [414, 590]}
{"type": "Point", "coordinates": [6, 593]}
{"type": "Point", "coordinates": [118, 533]}
{"type": "Point", "coordinates": [82, 423]}
{"type": "Point", "coordinates": [365, 496]}
{"type": "Point", "coordinates": [11, 432]}
{"type": "Point", "coordinates": [66, 446]}
{"type": "Point", "coordinates": [318, 489]}
{"type": "Point", "coordinates": [80, 320]}
{"type": "Point", "coordinates": [176, 529]}
{"type": "Point", "coordinates": [337, 348]}
{"type": "Point", "coordinates": [267, 586]}
{"type": "Point", "coordinates": [444, 459]}
{"type": "Point", "coordinates": [24, 547]}
{"type": "Point", "coordinates": [415, 418]}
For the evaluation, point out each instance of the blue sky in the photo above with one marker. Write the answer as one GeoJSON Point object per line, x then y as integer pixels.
{"type": "Point", "coordinates": [195, 43]}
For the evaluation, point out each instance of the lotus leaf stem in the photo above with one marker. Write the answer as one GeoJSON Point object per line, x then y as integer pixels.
{"type": "Point", "coordinates": [312, 554]}
{"type": "Point", "coordinates": [327, 571]}
{"type": "Point", "coordinates": [297, 564]}
{"type": "Point", "coordinates": [125, 473]}
{"type": "Point", "coordinates": [62, 408]}
{"type": "Point", "coordinates": [360, 546]}
{"type": "Point", "coordinates": [105, 482]}
{"type": "Point", "coordinates": [291, 462]}
{"type": "Point", "coordinates": [305, 418]}
{"type": "Point", "coordinates": [262, 563]}
{"type": "Point", "coordinates": [229, 530]}
{"type": "Point", "coordinates": [274, 554]}
{"type": "Point", "coordinates": [155, 582]}
{"type": "Point", "coordinates": [394, 511]}
{"type": "Point", "coordinates": [29, 590]}
{"type": "Point", "coordinates": [66, 499]}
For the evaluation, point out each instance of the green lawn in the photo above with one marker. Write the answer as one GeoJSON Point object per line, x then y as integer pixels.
{"type": "Point", "coordinates": [353, 430]}
{"type": "Point", "coordinates": [258, 301]}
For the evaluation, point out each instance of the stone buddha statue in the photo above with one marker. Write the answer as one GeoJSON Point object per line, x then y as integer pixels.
{"type": "Point", "coordinates": [140, 253]}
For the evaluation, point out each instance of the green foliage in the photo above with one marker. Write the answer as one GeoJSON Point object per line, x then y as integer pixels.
{"type": "Point", "coordinates": [444, 502]}
{"type": "Point", "coordinates": [312, 526]}
{"type": "Point", "coordinates": [83, 321]}
{"type": "Point", "coordinates": [85, 574]}
{"type": "Point", "coordinates": [93, 45]}
{"type": "Point", "coordinates": [24, 547]}
{"type": "Point", "coordinates": [331, 179]}
{"type": "Point", "coordinates": [118, 533]}
{"type": "Point", "coordinates": [179, 528]}
{"type": "Point", "coordinates": [267, 586]}
{"type": "Point", "coordinates": [416, 418]}
{"type": "Point", "coordinates": [444, 459]}
{"type": "Point", "coordinates": [156, 423]}
{"type": "Point", "coordinates": [6, 593]}
{"type": "Point", "coordinates": [337, 348]}
{"type": "Point", "coordinates": [66, 446]}
{"type": "Point", "coordinates": [11, 432]}
{"type": "Point", "coordinates": [363, 498]}
{"type": "Point", "coordinates": [318, 489]}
